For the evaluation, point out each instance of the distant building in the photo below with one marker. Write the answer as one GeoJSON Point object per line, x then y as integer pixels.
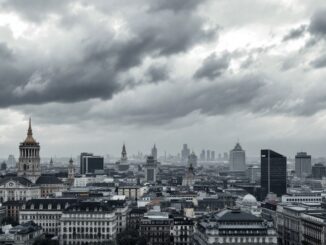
{"type": "Point", "coordinates": [3, 165]}
{"type": "Point", "coordinates": [273, 173]}
{"type": "Point", "coordinates": [233, 227]}
{"type": "Point", "coordinates": [189, 178]}
{"type": "Point", "coordinates": [185, 152]}
{"type": "Point", "coordinates": [225, 156]}
{"type": "Point", "coordinates": [150, 170]}
{"type": "Point", "coordinates": [193, 160]}
{"type": "Point", "coordinates": [208, 155]}
{"type": "Point", "coordinates": [71, 172]}
{"type": "Point", "coordinates": [11, 162]}
{"type": "Point", "coordinates": [123, 164]}
{"type": "Point", "coordinates": [91, 163]}
{"type": "Point", "coordinates": [212, 155]}
{"type": "Point", "coordinates": [302, 164]}
{"type": "Point", "coordinates": [202, 155]}
{"type": "Point", "coordinates": [253, 173]}
{"type": "Point", "coordinates": [154, 152]}
{"type": "Point", "coordinates": [318, 171]}
{"type": "Point", "coordinates": [49, 184]}
{"type": "Point", "coordinates": [29, 157]}
{"type": "Point", "coordinates": [237, 158]}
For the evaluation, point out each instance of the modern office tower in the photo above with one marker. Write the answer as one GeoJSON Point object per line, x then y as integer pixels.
{"type": "Point", "coordinates": [154, 152]}
{"type": "Point", "coordinates": [208, 155]}
{"type": "Point", "coordinates": [212, 155]}
{"type": "Point", "coordinates": [11, 163]}
{"type": "Point", "coordinates": [237, 159]}
{"type": "Point", "coordinates": [185, 152]}
{"type": "Point", "coordinates": [318, 171]}
{"type": "Point", "coordinates": [90, 163]}
{"type": "Point", "coordinates": [302, 164]}
{"type": "Point", "coordinates": [29, 158]}
{"type": "Point", "coordinates": [202, 155]}
{"type": "Point", "coordinates": [273, 173]}
{"type": "Point", "coordinates": [150, 169]}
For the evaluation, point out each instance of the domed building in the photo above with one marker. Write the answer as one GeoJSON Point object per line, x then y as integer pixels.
{"type": "Point", "coordinates": [249, 204]}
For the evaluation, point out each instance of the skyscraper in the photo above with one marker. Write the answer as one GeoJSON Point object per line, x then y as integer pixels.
{"type": "Point", "coordinates": [202, 155]}
{"type": "Point", "coordinates": [29, 158]}
{"type": "Point", "coordinates": [302, 164]}
{"type": "Point", "coordinates": [185, 152]}
{"type": "Point", "coordinates": [273, 173]}
{"type": "Point", "coordinates": [193, 160]}
{"type": "Point", "coordinates": [212, 155]}
{"type": "Point", "coordinates": [208, 155]}
{"type": "Point", "coordinates": [154, 152]}
{"type": "Point", "coordinates": [237, 159]}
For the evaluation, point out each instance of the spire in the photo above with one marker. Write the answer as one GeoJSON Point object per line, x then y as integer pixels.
{"type": "Point", "coordinates": [29, 139]}
{"type": "Point", "coordinates": [30, 132]}
{"type": "Point", "coordinates": [124, 157]}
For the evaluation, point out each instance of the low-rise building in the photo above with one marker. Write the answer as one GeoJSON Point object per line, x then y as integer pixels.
{"type": "Point", "coordinates": [45, 212]}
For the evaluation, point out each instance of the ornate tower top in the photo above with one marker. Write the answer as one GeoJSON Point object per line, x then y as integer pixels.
{"type": "Point", "coordinates": [29, 139]}
{"type": "Point", "coordinates": [124, 153]}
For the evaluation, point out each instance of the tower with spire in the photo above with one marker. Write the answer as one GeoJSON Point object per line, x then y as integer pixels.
{"type": "Point", "coordinates": [124, 157]}
{"type": "Point", "coordinates": [71, 171]}
{"type": "Point", "coordinates": [154, 152]}
{"type": "Point", "coordinates": [29, 157]}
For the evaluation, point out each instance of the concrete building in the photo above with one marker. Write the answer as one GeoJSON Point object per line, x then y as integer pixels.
{"type": "Point", "coordinates": [185, 152]}
{"type": "Point", "coordinates": [302, 165]}
{"type": "Point", "coordinates": [150, 170]}
{"type": "Point", "coordinates": [318, 171]}
{"type": "Point", "coordinates": [90, 163]}
{"type": "Point", "coordinates": [237, 159]}
{"type": "Point", "coordinates": [154, 152]}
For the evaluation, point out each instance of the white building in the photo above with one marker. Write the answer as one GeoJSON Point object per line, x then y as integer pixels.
{"type": "Point", "coordinates": [237, 159]}
{"type": "Point", "coordinates": [302, 198]}
{"type": "Point", "coordinates": [87, 223]}
{"type": "Point", "coordinates": [18, 189]}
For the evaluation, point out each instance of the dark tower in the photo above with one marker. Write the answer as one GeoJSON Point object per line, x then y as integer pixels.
{"type": "Point", "coordinates": [273, 173]}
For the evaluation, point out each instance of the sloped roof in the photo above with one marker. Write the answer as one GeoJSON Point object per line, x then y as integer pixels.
{"type": "Point", "coordinates": [48, 180]}
{"type": "Point", "coordinates": [20, 180]}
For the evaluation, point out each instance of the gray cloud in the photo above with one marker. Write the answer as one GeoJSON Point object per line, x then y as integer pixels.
{"type": "Point", "coordinates": [295, 33]}
{"type": "Point", "coordinates": [213, 66]}
{"type": "Point", "coordinates": [319, 62]}
{"type": "Point", "coordinates": [157, 73]}
{"type": "Point", "coordinates": [317, 25]}
{"type": "Point", "coordinates": [175, 5]}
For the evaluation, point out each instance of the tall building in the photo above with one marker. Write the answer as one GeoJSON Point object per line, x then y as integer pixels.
{"type": "Point", "coordinates": [150, 169]}
{"type": "Point", "coordinates": [90, 163]}
{"type": "Point", "coordinates": [212, 155]}
{"type": "Point", "coordinates": [208, 155]}
{"type": "Point", "coordinates": [273, 173]}
{"type": "Point", "coordinates": [71, 171]}
{"type": "Point", "coordinates": [202, 155]}
{"type": "Point", "coordinates": [29, 157]}
{"type": "Point", "coordinates": [193, 159]}
{"type": "Point", "coordinates": [11, 161]}
{"type": "Point", "coordinates": [185, 152]}
{"type": "Point", "coordinates": [124, 157]}
{"type": "Point", "coordinates": [237, 158]}
{"type": "Point", "coordinates": [302, 164]}
{"type": "Point", "coordinates": [154, 152]}
{"type": "Point", "coordinates": [318, 171]}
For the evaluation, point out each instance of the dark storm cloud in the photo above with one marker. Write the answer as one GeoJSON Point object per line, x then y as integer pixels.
{"type": "Point", "coordinates": [104, 56]}
{"type": "Point", "coordinates": [213, 66]}
{"type": "Point", "coordinates": [319, 62]}
{"type": "Point", "coordinates": [295, 33]}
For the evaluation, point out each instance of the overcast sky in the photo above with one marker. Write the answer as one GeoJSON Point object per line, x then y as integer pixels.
{"type": "Point", "coordinates": [95, 74]}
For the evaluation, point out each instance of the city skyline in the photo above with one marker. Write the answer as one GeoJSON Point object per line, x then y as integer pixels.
{"type": "Point", "coordinates": [200, 78]}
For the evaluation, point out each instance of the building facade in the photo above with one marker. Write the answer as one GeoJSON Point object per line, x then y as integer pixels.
{"type": "Point", "coordinates": [237, 159]}
{"type": "Point", "coordinates": [302, 164]}
{"type": "Point", "coordinates": [273, 173]}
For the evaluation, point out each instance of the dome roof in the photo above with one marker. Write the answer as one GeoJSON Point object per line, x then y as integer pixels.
{"type": "Point", "coordinates": [249, 200]}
